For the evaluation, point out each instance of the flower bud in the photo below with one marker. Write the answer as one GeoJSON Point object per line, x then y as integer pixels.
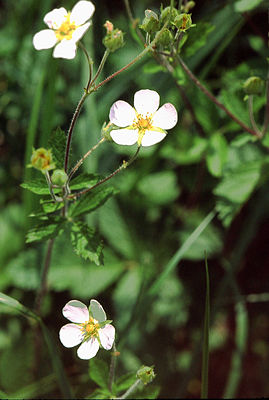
{"type": "Point", "coordinates": [146, 374]}
{"type": "Point", "coordinates": [59, 177]}
{"type": "Point", "coordinates": [183, 22]}
{"type": "Point", "coordinates": [165, 38]}
{"type": "Point", "coordinates": [253, 85]}
{"type": "Point", "coordinates": [150, 23]}
{"type": "Point", "coordinates": [42, 159]}
{"type": "Point", "coordinates": [113, 39]}
{"type": "Point", "coordinates": [187, 7]}
{"type": "Point", "coordinates": [168, 14]}
{"type": "Point", "coordinates": [109, 26]}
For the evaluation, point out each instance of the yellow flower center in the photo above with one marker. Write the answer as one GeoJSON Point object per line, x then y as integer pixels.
{"type": "Point", "coordinates": [66, 30]}
{"type": "Point", "coordinates": [90, 328]}
{"type": "Point", "coordinates": [142, 123]}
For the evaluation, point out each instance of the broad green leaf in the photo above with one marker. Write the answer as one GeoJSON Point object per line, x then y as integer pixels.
{"type": "Point", "coordinates": [246, 5]}
{"type": "Point", "coordinates": [125, 381]}
{"type": "Point", "coordinates": [91, 200]}
{"type": "Point", "coordinates": [86, 242]}
{"type": "Point", "coordinates": [46, 229]}
{"type": "Point", "coordinates": [57, 143]}
{"type": "Point", "coordinates": [15, 304]}
{"type": "Point", "coordinates": [159, 188]}
{"type": "Point", "coordinates": [84, 180]}
{"type": "Point", "coordinates": [197, 37]}
{"type": "Point", "coordinates": [37, 186]}
{"type": "Point", "coordinates": [216, 155]}
{"type": "Point", "coordinates": [46, 207]}
{"type": "Point", "coordinates": [99, 372]}
{"type": "Point", "coordinates": [189, 150]}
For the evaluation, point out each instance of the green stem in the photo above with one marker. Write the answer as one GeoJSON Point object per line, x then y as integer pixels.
{"type": "Point", "coordinates": [123, 166]}
{"type": "Point", "coordinates": [112, 367]}
{"type": "Point", "coordinates": [130, 390]}
{"type": "Point", "coordinates": [90, 62]}
{"type": "Point", "coordinates": [83, 158]}
{"type": "Point", "coordinates": [251, 116]}
{"type": "Point", "coordinates": [213, 98]}
{"type": "Point", "coordinates": [101, 66]}
{"type": "Point", "coordinates": [266, 115]}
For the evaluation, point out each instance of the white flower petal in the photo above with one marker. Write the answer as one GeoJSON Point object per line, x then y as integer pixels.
{"type": "Point", "coordinates": [76, 311]}
{"type": "Point", "coordinates": [107, 336]}
{"type": "Point", "coordinates": [97, 311]}
{"type": "Point", "coordinates": [165, 117]}
{"type": "Point", "coordinates": [65, 49]}
{"type": "Point", "coordinates": [81, 12]}
{"type": "Point", "coordinates": [125, 136]}
{"type": "Point", "coordinates": [122, 114]}
{"type": "Point", "coordinates": [44, 39]}
{"type": "Point", "coordinates": [88, 349]}
{"type": "Point", "coordinates": [146, 101]}
{"type": "Point", "coordinates": [152, 137]}
{"type": "Point", "coordinates": [55, 18]}
{"type": "Point", "coordinates": [79, 32]}
{"type": "Point", "coordinates": [70, 335]}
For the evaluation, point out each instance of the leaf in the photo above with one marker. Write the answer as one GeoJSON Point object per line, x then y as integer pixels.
{"type": "Point", "coordinates": [125, 381]}
{"type": "Point", "coordinates": [159, 188]}
{"type": "Point", "coordinates": [100, 394]}
{"type": "Point", "coordinates": [91, 200]}
{"type": "Point", "coordinates": [57, 143]}
{"type": "Point", "coordinates": [227, 210]}
{"type": "Point", "coordinates": [246, 5]}
{"type": "Point", "coordinates": [84, 180]}
{"type": "Point", "coordinates": [99, 372]}
{"type": "Point", "coordinates": [37, 186]}
{"type": "Point", "coordinates": [46, 229]}
{"type": "Point", "coordinates": [9, 301]}
{"type": "Point", "coordinates": [197, 37]}
{"type": "Point", "coordinates": [46, 207]}
{"type": "Point", "coordinates": [86, 242]}
{"type": "Point", "coordinates": [216, 155]}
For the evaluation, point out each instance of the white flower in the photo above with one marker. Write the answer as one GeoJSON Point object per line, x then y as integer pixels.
{"type": "Point", "coordinates": [144, 123]}
{"type": "Point", "coordinates": [66, 28]}
{"type": "Point", "coordinates": [89, 327]}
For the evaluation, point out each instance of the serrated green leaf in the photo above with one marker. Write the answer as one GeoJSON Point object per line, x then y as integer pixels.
{"type": "Point", "coordinates": [57, 143]}
{"type": "Point", "coordinates": [91, 201]}
{"type": "Point", "coordinates": [84, 180]}
{"type": "Point", "coordinates": [46, 207]}
{"type": "Point", "coordinates": [125, 381]}
{"type": "Point", "coordinates": [37, 186]}
{"type": "Point", "coordinates": [46, 229]}
{"type": "Point", "coordinates": [99, 372]}
{"type": "Point", "coordinates": [86, 242]}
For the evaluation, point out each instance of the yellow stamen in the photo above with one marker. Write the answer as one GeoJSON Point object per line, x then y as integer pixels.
{"type": "Point", "coordinates": [90, 328]}
{"type": "Point", "coordinates": [66, 30]}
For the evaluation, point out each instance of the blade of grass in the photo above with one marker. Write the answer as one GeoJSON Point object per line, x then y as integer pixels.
{"type": "Point", "coordinates": [15, 304]}
{"type": "Point", "coordinates": [205, 357]}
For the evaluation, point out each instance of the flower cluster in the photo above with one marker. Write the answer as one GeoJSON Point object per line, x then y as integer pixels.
{"type": "Point", "coordinates": [89, 328]}
{"type": "Point", "coordinates": [66, 29]}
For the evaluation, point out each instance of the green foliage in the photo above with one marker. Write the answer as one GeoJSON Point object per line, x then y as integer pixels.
{"type": "Point", "coordinates": [99, 372]}
{"type": "Point", "coordinates": [37, 186]}
{"type": "Point", "coordinates": [47, 228]}
{"type": "Point", "coordinates": [246, 5]}
{"type": "Point", "coordinates": [86, 242]}
{"type": "Point", "coordinates": [83, 181]}
{"type": "Point", "coordinates": [217, 154]}
{"type": "Point", "coordinates": [57, 143]}
{"type": "Point", "coordinates": [159, 188]}
{"type": "Point", "coordinates": [197, 37]}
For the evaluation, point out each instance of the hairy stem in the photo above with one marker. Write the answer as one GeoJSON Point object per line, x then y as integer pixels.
{"type": "Point", "coordinates": [251, 116]}
{"type": "Point", "coordinates": [130, 390]}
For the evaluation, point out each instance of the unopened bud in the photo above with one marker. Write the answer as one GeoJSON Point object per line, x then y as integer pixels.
{"type": "Point", "coordinates": [42, 160]}
{"type": "Point", "coordinates": [183, 22]}
{"type": "Point", "coordinates": [165, 38]}
{"type": "Point", "coordinates": [253, 85]}
{"type": "Point", "coordinates": [113, 40]}
{"type": "Point", "coordinates": [151, 22]}
{"type": "Point", "coordinates": [146, 374]}
{"type": "Point", "coordinates": [109, 26]}
{"type": "Point", "coordinates": [168, 14]}
{"type": "Point", "coordinates": [59, 177]}
{"type": "Point", "coordinates": [189, 6]}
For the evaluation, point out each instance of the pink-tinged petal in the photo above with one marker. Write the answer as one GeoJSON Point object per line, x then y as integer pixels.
{"type": "Point", "coordinates": [88, 349]}
{"type": "Point", "coordinates": [65, 49]}
{"type": "Point", "coordinates": [76, 311]}
{"type": "Point", "coordinates": [122, 114]}
{"type": "Point", "coordinates": [70, 335]}
{"type": "Point", "coordinates": [55, 18]}
{"type": "Point", "coordinates": [44, 39]}
{"type": "Point", "coordinates": [146, 101]}
{"type": "Point", "coordinates": [107, 336]}
{"type": "Point", "coordinates": [152, 137]}
{"type": "Point", "coordinates": [165, 117]}
{"type": "Point", "coordinates": [125, 136]}
{"type": "Point", "coordinates": [81, 12]}
{"type": "Point", "coordinates": [79, 32]}
{"type": "Point", "coordinates": [97, 311]}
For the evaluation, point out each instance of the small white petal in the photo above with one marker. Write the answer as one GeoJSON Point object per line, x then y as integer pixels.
{"type": "Point", "coordinates": [55, 18]}
{"type": "Point", "coordinates": [79, 32]}
{"type": "Point", "coordinates": [44, 39]}
{"type": "Point", "coordinates": [125, 136]}
{"type": "Point", "coordinates": [122, 114]}
{"type": "Point", "coordinates": [146, 101]}
{"type": "Point", "coordinates": [88, 349]}
{"type": "Point", "coordinates": [107, 336]}
{"type": "Point", "coordinates": [97, 311]}
{"type": "Point", "coordinates": [152, 137]}
{"type": "Point", "coordinates": [81, 12]}
{"type": "Point", "coordinates": [65, 49]}
{"type": "Point", "coordinates": [70, 335]}
{"type": "Point", "coordinates": [165, 117]}
{"type": "Point", "coordinates": [76, 311]}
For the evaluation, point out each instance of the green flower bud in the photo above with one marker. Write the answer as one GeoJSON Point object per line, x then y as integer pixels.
{"type": "Point", "coordinates": [183, 22]}
{"type": "Point", "coordinates": [146, 374]}
{"type": "Point", "coordinates": [113, 39]}
{"type": "Point", "coordinates": [150, 23]}
{"type": "Point", "coordinates": [59, 177]}
{"type": "Point", "coordinates": [42, 160]}
{"type": "Point", "coordinates": [189, 6]}
{"type": "Point", "coordinates": [168, 14]}
{"type": "Point", "coordinates": [253, 85]}
{"type": "Point", "coordinates": [165, 38]}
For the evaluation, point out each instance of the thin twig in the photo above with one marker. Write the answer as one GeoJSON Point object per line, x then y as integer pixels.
{"type": "Point", "coordinates": [251, 116]}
